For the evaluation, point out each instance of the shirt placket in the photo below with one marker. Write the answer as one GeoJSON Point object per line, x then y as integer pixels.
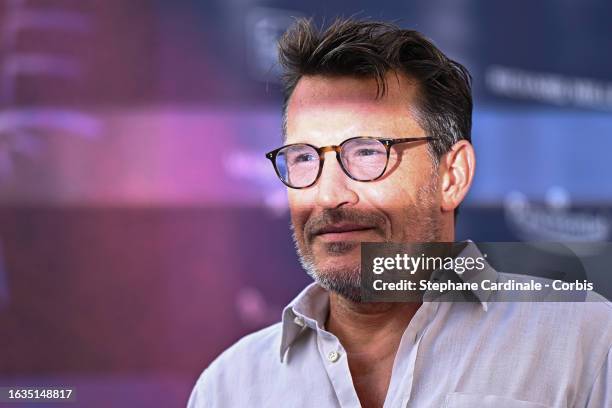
{"type": "Point", "coordinates": [336, 365]}
{"type": "Point", "coordinates": [402, 376]}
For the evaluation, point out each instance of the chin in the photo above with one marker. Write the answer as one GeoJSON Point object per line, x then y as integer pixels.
{"type": "Point", "coordinates": [338, 258]}
{"type": "Point", "coordinates": [348, 270]}
{"type": "Point", "coordinates": [339, 248]}
{"type": "Point", "coordinates": [344, 282]}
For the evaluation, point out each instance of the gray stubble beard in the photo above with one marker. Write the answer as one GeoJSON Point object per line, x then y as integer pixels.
{"type": "Point", "coordinates": [346, 282]}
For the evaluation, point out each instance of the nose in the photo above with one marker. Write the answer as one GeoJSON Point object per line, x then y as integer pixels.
{"type": "Point", "coordinates": [334, 187]}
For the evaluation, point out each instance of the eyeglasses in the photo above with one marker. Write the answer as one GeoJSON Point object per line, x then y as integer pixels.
{"type": "Point", "coordinates": [362, 158]}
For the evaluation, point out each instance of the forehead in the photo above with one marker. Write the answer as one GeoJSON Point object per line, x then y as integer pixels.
{"type": "Point", "coordinates": [326, 109]}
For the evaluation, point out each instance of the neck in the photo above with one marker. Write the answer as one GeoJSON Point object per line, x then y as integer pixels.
{"type": "Point", "coordinates": [363, 326]}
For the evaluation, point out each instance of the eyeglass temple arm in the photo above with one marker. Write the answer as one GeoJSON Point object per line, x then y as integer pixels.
{"type": "Point", "coordinates": [391, 142]}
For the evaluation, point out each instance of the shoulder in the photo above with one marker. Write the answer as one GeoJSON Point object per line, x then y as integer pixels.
{"type": "Point", "coordinates": [261, 347]}
{"type": "Point", "coordinates": [586, 323]}
{"type": "Point", "coordinates": [234, 369]}
{"type": "Point", "coordinates": [585, 303]}
{"type": "Point", "coordinates": [554, 290]}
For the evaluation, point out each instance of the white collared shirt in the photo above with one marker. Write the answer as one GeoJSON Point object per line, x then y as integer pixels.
{"type": "Point", "coordinates": [451, 355]}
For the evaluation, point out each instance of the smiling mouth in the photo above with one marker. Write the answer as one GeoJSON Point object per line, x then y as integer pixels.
{"type": "Point", "coordinates": [344, 232]}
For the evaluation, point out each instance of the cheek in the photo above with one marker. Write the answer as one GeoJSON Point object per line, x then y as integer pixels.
{"type": "Point", "coordinates": [397, 200]}
{"type": "Point", "coordinates": [293, 197]}
{"type": "Point", "coordinates": [298, 209]}
{"type": "Point", "coordinates": [389, 194]}
{"type": "Point", "coordinates": [400, 188]}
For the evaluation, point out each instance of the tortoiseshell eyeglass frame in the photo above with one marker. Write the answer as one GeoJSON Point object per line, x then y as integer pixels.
{"type": "Point", "coordinates": [338, 148]}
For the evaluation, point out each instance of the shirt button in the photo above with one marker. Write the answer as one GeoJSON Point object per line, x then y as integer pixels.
{"type": "Point", "coordinates": [333, 356]}
{"type": "Point", "coordinates": [299, 321]}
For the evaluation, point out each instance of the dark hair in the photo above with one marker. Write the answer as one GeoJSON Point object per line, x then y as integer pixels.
{"type": "Point", "coordinates": [370, 49]}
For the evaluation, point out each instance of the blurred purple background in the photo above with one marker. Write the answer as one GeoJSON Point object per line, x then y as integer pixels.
{"type": "Point", "coordinates": [142, 231]}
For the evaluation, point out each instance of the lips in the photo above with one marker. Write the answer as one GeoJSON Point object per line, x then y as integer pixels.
{"type": "Point", "coordinates": [342, 229]}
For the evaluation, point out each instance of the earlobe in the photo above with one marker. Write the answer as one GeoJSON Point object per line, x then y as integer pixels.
{"type": "Point", "coordinates": [457, 174]}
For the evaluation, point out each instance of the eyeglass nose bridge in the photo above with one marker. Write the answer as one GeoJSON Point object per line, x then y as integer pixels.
{"type": "Point", "coordinates": [333, 148]}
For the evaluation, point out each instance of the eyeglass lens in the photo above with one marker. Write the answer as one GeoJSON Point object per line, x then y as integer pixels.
{"type": "Point", "coordinates": [362, 158]}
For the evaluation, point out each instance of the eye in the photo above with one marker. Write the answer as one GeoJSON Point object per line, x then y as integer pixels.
{"type": "Point", "coordinates": [367, 152]}
{"type": "Point", "coordinates": [304, 157]}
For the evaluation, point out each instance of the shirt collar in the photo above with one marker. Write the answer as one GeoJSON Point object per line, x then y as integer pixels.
{"type": "Point", "coordinates": [309, 309]}
{"type": "Point", "coordinates": [471, 250]}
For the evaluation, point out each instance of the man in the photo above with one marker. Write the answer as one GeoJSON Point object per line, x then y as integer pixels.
{"type": "Point", "coordinates": [377, 148]}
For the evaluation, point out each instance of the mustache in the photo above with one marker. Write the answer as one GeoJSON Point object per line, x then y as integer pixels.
{"type": "Point", "coordinates": [318, 223]}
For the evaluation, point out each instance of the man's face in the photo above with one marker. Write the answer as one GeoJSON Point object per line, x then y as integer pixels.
{"type": "Point", "coordinates": [333, 216]}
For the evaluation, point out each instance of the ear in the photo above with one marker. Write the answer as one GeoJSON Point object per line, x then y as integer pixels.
{"type": "Point", "coordinates": [456, 174]}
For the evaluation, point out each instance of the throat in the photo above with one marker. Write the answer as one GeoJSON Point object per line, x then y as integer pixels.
{"type": "Point", "coordinates": [371, 375]}
{"type": "Point", "coordinates": [369, 328]}
{"type": "Point", "coordinates": [371, 335]}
